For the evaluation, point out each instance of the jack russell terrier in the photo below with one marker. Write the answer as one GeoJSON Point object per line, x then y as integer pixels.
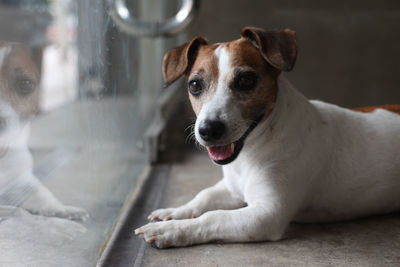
{"type": "Point", "coordinates": [284, 158]}
{"type": "Point", "coordinates": [19, 92]}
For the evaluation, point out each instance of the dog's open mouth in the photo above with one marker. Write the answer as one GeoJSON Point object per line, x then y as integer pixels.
{"type": "Point", "coordinates": [227, 153]}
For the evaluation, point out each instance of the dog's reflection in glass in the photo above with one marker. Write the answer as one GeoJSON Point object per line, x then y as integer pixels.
{"type": "Point", "coordinates": [19, 100]}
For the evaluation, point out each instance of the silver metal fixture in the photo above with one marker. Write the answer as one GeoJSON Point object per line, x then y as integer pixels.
{"type": "Point", "coordinates": [123, 18]}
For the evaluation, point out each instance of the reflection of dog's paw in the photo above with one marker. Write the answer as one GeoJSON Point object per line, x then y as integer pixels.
{"type": "Point", "coordinates": [66, 212]}
{"type": "Point", "coordinates": [44, 203]}
{"type": "Point", "coordinates": [172, 213]}
{"type": "Point", "coordinates": [72, 213]}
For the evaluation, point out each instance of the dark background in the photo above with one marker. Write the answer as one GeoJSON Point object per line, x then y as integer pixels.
{"type": "Point", "coordinates": [349, 51]}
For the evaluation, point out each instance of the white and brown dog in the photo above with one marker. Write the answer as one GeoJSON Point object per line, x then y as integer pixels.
{"type": "Point", "coordinates": [19, 92]}
{"type": "Point", "coordinates": [284, 158]}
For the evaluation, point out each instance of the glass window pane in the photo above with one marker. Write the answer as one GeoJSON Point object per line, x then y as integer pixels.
{"type": "Point", "coordinates": [77, 99]}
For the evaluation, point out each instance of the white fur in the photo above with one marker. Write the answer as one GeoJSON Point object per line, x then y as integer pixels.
{"type": "Point", "coordinates": [221, 106]}
{"type": "Point", "coordinates": [309, 161]}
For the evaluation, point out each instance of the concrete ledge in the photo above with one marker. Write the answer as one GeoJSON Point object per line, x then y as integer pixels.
{"type": "Point", "coordinates": [373, 241]}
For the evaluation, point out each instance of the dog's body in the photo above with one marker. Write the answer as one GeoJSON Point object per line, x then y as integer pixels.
{"type": "Point", "coordinates": [329, 163]}
{"type": "Point", "coordinates": [19, 81]}
{"type": "Point", "coordinates": [302, 160]}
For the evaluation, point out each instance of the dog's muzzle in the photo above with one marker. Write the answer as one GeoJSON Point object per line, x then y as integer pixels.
{"type": "Point", "coordinates": [227, 153]}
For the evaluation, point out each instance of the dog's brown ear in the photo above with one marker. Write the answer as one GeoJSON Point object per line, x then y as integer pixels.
{"type": "Point", "coordinates": [179, 60]}
{"type": "Point", "coordinates": [279, 48]}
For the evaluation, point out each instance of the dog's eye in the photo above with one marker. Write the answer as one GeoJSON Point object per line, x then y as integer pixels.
{"type": "Point", "coordinates": [195, 87]}
{"type": "Point", "coordinates": [24, 85]}
{"type": "Point", "coordinates": [246, 81]}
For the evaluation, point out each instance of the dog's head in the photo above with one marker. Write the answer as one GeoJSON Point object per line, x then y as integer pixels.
{"type": "Point", "coordinates": [232, 86]}
{"type": "Point", "coordinates": [19, 78]}
{"type": "Point", "coordinates": [19, 92]}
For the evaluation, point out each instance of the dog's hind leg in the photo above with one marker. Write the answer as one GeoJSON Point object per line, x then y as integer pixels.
{"type": "Point", "coordinates": [212, 198]}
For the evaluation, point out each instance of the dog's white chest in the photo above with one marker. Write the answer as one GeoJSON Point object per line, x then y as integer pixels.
{"type": "Point", "coordinates": [234, 178]}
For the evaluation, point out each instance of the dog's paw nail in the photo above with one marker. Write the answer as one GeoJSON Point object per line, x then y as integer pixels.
{"type": "Point", "coordinates": [139, 232]}
{"type": "Point", "coordinates": [151, 239]}
{"type": "Point", "coordinates": [154, 218]}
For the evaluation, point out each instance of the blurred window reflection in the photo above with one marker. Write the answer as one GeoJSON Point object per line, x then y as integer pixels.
{"type": "Point", "coordinates": [72, 121]}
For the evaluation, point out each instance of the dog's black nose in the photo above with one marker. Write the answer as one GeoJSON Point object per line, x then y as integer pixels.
{"type": "Point", "coordinates": [211, 130]}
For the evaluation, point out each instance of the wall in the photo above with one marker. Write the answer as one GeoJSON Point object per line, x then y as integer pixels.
{"type": "Point", "coordinates": [348, 50]}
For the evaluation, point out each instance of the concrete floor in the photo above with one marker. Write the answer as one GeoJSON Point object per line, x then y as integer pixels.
{"type": "Point", "coordinates": [371, 241]}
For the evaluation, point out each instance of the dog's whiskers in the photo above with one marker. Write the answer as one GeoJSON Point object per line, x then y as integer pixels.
{"type": "Point", "coordinates": [192, 137]}
{"type": "Point", "coordinates": [190, 128]}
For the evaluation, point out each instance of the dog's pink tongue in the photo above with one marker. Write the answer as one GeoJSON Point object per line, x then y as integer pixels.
{"type": "Point", "coordinates": [220, 152]}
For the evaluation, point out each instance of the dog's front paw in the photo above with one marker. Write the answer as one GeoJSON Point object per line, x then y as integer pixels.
{"type": "Point", "coordinates": [172, 214]}
{"type": "Point", "coordinates": [165, 234]}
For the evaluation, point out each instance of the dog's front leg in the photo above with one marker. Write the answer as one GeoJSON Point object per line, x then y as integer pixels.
{"type": "Point", "coordinates": [212, 198]}
{"type": "Point", "coordinates": [251, 223]}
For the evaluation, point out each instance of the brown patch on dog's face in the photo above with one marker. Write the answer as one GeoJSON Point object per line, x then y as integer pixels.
{"type": "Point", "coordinates": [204, 70]}
{"type": "Point", "coordinates": [260, 53]}
{"type": "Point", "coordinates": [19, 80]}
{"type": "Point", "coordinates": [246, 58]}
{"type": "Point", "coordinates": [232, 86]}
